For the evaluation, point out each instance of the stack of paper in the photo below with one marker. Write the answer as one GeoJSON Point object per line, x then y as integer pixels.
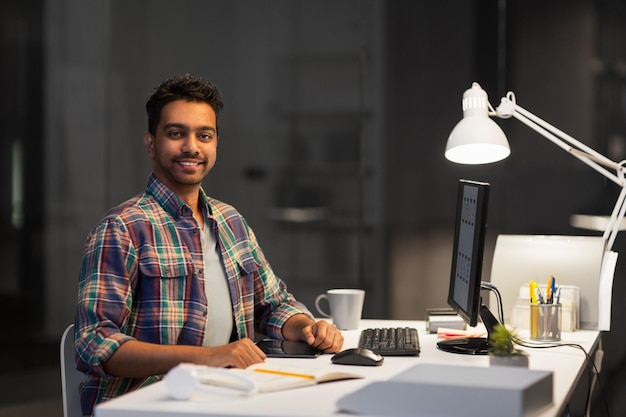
{"type": "Point", "coordinates": [448, 321]}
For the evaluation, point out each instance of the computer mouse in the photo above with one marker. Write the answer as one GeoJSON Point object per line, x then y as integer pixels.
{"type": "Point", "coordinates": [357, 356]}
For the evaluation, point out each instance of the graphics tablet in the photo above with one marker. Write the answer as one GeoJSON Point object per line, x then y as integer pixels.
{"type": "Point", "coordinates": [287, 349]}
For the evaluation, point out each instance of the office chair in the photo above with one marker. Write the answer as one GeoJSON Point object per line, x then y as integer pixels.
{"type": "Point", "coordinates": [71, 378]}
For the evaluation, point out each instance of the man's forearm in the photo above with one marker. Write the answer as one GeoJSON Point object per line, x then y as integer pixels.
{"type": "Point", "coordinates": [136, 359]}
{"type": "Point", "coordinates": [292, 329]}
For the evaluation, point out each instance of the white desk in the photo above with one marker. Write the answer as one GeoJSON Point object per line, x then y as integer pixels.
{"type": "Point", "coordinates": [567, 364]}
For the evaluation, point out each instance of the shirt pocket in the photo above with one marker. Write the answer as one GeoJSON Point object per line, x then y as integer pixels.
{"type": "Point", "coordinates": [165, 263]}
{"type": "Point", "coordinates": [170, 296]}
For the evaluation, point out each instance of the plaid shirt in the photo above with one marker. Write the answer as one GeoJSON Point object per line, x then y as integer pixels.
{"type": "Point", "coordinates": [142, 279]}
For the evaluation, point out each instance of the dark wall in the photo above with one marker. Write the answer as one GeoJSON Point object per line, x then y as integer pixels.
{"type": "Point", "coordinates": [430, 50]}
{"type": "Point", "coordinates": [545, 55]}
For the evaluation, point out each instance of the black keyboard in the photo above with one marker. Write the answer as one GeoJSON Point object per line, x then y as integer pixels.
{"type": "Point", "coordinates": [395, 341]}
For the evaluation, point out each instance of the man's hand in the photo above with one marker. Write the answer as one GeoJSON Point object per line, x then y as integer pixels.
{"type": "Point", "coordinates": [324, 336]}
{"type": "Point", "coordinates": [239, 354]}
{"type": "Point", "coordinates": [321, 334]}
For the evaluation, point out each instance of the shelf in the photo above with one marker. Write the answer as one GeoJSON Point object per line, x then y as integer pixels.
{"type": "Point", "coordinates": [299, 214]}
{"type": "Point", "coordinates": [593, 222]}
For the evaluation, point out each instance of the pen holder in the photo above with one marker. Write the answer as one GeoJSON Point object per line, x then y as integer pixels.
{"type": "Point", "coordinates": [545, 322]}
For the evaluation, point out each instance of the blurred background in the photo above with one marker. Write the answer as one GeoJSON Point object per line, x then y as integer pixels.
{"type": "Point", "coordinates": [331, 143]}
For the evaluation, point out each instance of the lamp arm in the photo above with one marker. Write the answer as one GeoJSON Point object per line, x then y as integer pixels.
{"type": "Point", "coordinates": [584, 153]}
{"type": "Point", "coordinates": [576, 144]}
{"type": "Point", "coordinates": [597, 161]}
{"type": "Point", "coordinates": [593, 159]}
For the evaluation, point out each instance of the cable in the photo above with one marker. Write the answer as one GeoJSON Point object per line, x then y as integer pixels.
{"type": "Point", "coordinates": [594, 373]}
{"type": "Point", "coordinates": [490, 287]}
{"type": "Point", "coordinates": [599, 355]}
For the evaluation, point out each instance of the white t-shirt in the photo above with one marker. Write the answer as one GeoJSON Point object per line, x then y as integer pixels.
{"type": "Point", "coordinates": [219, 325]}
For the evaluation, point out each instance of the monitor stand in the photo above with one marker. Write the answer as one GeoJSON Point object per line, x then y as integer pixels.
{"type": "Point", "coordinates": [472, 345]}
{"type": "Point", "coordinates": [467, 346]}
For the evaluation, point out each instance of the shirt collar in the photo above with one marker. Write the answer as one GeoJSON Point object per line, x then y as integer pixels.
{"type": "Point", "coordinates": [169, 200]}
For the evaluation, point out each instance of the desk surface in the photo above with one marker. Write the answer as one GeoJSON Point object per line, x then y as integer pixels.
{"type": "Point", "coordinates": [567, 363]}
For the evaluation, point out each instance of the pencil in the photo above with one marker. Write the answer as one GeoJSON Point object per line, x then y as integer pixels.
{"type": "Point", "coordinates": [283, 373]}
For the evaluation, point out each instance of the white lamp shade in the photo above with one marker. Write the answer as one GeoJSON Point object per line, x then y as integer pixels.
{"type": "Point", "coordinates": [477, 140]}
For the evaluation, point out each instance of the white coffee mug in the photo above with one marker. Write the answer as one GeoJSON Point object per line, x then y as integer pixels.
{"type": "Point", "coordinates": [346, 307]}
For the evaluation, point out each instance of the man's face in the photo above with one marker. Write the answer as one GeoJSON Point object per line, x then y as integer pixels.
{"type": "Point", "coordinates": [184, 148]}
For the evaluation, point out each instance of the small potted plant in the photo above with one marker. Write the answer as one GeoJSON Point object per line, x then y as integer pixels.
{"type": "Point", "coordinates": [502, 351]}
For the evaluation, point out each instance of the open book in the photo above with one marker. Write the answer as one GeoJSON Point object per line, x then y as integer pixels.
{"type": "Point", "coordinates": [273, 378]}
{"type": "Point", "coordinates": [185, 379]}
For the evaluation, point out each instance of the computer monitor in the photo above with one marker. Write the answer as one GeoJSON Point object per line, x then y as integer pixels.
{"type": "Point", "coordinates": [467, 262]}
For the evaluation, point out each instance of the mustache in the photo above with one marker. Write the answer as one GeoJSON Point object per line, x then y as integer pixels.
{"type": "Point", "coordinates": [189, 155]}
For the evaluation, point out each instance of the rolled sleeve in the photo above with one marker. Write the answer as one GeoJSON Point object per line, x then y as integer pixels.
{"type": "Point", "coordinates": [104, 296]}
{"type": "Point", "coordinates": [97, 346]}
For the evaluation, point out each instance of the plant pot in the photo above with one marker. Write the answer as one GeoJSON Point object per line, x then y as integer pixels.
{"type": "Point", "coordinates": [511, 360]}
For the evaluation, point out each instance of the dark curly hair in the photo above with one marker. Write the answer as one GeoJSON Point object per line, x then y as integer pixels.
{"type": "Point", "coordinates": [182, 87]}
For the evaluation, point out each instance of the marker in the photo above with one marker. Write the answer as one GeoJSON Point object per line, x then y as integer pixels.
{"type": "Point", "coordinates": [533, 292]}
{"type": "Point", "coordinates": [533, 310]}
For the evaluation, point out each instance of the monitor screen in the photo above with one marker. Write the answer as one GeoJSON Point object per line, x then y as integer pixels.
{"type": "Point", "coordinates": [467, 262]}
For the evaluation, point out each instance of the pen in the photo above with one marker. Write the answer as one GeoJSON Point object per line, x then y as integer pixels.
{"type": "Point", "coordinates": [553, 286]}
{"type": "Point", "coordinates": [540, 298]}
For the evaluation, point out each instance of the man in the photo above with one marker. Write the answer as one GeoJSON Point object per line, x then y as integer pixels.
{"type": "Point", "coordinates": [174, 276]}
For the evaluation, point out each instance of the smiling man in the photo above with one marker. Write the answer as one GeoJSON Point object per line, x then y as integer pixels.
{"type": "Point", "coordinates": [173, 275]}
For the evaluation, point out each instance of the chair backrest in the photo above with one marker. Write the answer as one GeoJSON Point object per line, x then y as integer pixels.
{"type": "Point", "coordinates": [71, 378]}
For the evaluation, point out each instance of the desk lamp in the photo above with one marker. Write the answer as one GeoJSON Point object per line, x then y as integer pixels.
{"type": "Point", "coordinates": [477, 139]}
